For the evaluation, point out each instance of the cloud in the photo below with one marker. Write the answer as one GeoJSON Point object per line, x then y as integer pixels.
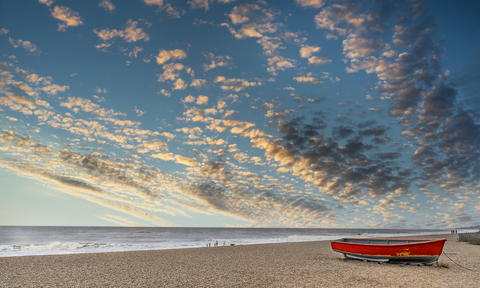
{"type": "Point", "coordinates": [235, 84]}
{"type": "Point", "coordinates": [131, 33]}
{"type": "Point", "coordinates": [170, 72]}
{"type": "Point", "coordinates": [171, 11]}
{"type": "Point", "coordinates": [139, 112]}
{"type": "Point", "coordinates": [121, 221]}
{"type": "Point", "coordinates": [356, 46]}
{"type": "Point", "coordinates": [194, 133]}
{"type": "Point", "coordinates": [307, 51]}
{"type": "Point", "coordinates": [164, 156]}
{"type": "Point", "coordinates": [54, 89]}
{"type": "Point", "coordinates": [68, 16]}
{"type": "Point", "coordinates": [27, 45]}
{"type": "Point", "coordinates": [186, 161]}
{"type": "Point", "coordinates": [198, 83]}
{"type": "Point", "coordinates": [46, 2]}
{"type": "Point", "coordinates": [308, 79]}
{"type": "Point", "coordinates": [201, 22]}
{"type": "Point", "coordinates": [3, 31]}
{"type": "Point", "coordinates": [342, 132]}
{"type": "Point", "coordinates": [107, 6]}
{"type": "Point", "coordinates": [311, 3]}
{"type": "Point", "coordinates": [201, 100]}
{"type": "Point", "coordinates": [152, 145]}
{"type": "Point", "coordinates": [153, 2]}
{"type": "Point", "coordinates": [279, 63]}
{"type": "Point", "coordinates": [179, 84]}
{"type": "Point", "coordinates": [300, 99]}
{"type": "Point", "coordinates": [216, 61]}
{"type": "Point", "coordinates": [188, 99]}
{"type": "Point", "coordinates": [166, 55]}
{"type": "Point", "coordinates": [315, 60]}
{"type": "Point", "coordinates": [198, 4]}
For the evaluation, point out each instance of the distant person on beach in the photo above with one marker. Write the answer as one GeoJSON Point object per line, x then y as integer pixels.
{"type": "Point", "coordinates": [224, 243]}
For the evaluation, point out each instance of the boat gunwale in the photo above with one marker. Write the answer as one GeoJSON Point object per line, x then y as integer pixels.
{"type": "Point", "coordinates": [422, 241]}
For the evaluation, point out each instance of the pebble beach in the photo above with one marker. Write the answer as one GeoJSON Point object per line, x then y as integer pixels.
{"type": "Point", "coordinates": [304, 264]}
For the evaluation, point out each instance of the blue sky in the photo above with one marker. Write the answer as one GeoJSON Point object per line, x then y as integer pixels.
{"type": "Point", "coordinates": [302, 113]}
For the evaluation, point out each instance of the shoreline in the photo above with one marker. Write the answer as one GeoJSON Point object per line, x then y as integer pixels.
{"type": "Point", "coordinates": [281, 264]}
{"type": "Point", "coordinates": [89, 250]}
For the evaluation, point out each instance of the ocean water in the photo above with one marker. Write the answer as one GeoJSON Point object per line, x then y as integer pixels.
{"type": "Point", "coordinates": [38, 240]}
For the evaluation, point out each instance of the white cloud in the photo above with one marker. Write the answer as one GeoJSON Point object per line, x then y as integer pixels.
{"type": "Point", "coordinates": [197, 83]}
{"type": "Point", "coordinates": [196, 4]}
{"type": "Point", "coordinates": [107, 5]}
{"type": "Point", "coordinates": [164, 156]}
{"type": "Point", "coordinates": [315, 60]}
{"type": "Point", "coordinates": [279, 63]}
{"type": "Point", "coordinates": [46, 2]}
{"type": "Point", "coordinates": [139, 112]}
{"type": "Point", "coordinates": [131, 33]}
{"type": "Point", "coordinates": [3, 31]}
{"type": "Point", "coordinates": [154, 2]}
{"type": "Point", "coordinates": [68, 16]}
{"type": "Point", "coordinates": [166, 55]}
{"type": "Point", "coordinates": [53, 89]}
{"type": "Point", "coordinates": [165, 93]}
{"type": "Point", "coordinates": [309, 79]}
{"type": "Point", "coordinates": [188, 99]}
{"type": "Point", "coordinates": [311, 3]}
{"type": "Point", "coordinates": [27, 45]}
{"type": "Point", "coordinates": [216, 61]}
{"type": "Point", "coordinates": [307, 51]}
{"type": "Point", "coordinates": [358, 46]}
{"type": "Point", "coordinates": [179, 84]}
{"type": "Point", "coordinates": [202, 100]}
{"type": "Point", "coordinates": [135, 51]}
{"type": "Point", "coordinates": [186, 161]}
{"type": "Point", "coordinates": [100, 90]}
{"type": "Point", "coordinates": [235, 84]}
{"type": "Point", "coordinates": [171, 11]}
{"type": "Point", "coordinates": [170, 72]}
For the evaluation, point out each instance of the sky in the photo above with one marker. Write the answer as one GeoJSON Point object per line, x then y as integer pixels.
{"type": "Point", "coordinates": [225, 113]}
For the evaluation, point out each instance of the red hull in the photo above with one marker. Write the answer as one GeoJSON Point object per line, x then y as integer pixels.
{"type": "Point", "coordinates": [418, 251]}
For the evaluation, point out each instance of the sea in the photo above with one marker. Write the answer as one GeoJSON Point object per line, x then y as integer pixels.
{"type": "Point", "coordinates": [48, 240]}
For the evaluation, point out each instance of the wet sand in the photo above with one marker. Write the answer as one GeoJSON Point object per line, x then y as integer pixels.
{"type": "Point", "coordinates": [308, 264]}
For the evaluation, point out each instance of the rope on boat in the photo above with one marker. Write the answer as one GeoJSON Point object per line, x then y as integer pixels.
{"type": "Point", "coordinates": [457, 263]}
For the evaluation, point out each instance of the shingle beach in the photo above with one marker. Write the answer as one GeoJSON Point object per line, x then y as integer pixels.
{"type": "Point", "coordinates": [307, 264]}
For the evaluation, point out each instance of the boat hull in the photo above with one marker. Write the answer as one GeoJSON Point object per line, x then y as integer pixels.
{"type": "Point", "coordinates": [384, 250]}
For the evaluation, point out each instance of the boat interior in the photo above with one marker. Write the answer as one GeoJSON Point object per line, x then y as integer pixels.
{"type": "Point", "coordinates": [378, 241]}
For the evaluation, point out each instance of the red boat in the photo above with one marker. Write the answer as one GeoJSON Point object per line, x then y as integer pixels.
{"type": "Point", "coordinates": [384, 250]}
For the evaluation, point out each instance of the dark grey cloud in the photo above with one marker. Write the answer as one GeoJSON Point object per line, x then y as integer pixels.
{"type": "Point", "coordinates": [366, 124]}
{"type": "Point", "coordinates": [377, 131]}
{"type": "Point", "coordinates": [342, 132]}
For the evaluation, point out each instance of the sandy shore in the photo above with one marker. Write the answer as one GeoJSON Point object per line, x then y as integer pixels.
{"type": "Point", "coordinates": [311, 264]}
